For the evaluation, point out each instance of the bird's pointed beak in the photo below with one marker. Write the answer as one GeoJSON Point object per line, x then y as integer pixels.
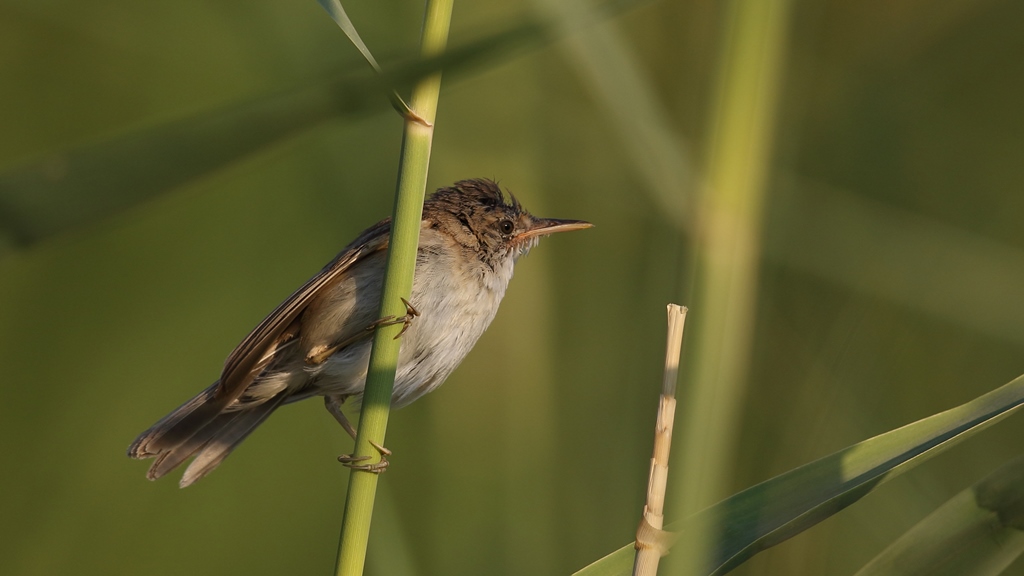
{"type": "Point", "coordinates": [545, 226]}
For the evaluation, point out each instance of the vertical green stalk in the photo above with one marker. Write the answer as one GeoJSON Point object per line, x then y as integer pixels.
{"type": "Point", "coordinates": [728, 247]}
{"type": "Point", "coordinates": [401, 263]}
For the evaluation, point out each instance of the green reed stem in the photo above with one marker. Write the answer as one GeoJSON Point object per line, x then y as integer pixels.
{"type": "Point", "coordinates": [398, 276]}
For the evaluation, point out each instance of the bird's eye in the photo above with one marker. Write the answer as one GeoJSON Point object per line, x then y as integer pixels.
{"type": "Point", "coordinates": [506, 226]}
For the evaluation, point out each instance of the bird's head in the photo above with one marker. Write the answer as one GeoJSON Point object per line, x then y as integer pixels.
{"type": "Point", "coordinates": [478, 216]}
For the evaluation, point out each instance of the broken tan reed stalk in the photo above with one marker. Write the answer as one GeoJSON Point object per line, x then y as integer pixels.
{"type": "Point", "coordinates": [651, 542]}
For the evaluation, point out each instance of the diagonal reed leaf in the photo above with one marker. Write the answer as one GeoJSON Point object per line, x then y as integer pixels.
{"type": "Point", "coordinates": [782, 507]}
{"type": "Point", "coordinates": [337, 13]}
{"type": "Point", "coordinates": [48, 195]}
{"type": "Point", "coordinates": [51, 194]}
{"type": "Point", "coordinates": [69, 188]}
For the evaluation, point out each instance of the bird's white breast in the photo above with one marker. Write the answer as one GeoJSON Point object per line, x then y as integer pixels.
{"type": "Point", "coordinates": [457, 296]}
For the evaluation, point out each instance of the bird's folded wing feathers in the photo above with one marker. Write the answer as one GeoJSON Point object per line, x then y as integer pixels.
{"type": "Point", "coordinates": [256, 351]}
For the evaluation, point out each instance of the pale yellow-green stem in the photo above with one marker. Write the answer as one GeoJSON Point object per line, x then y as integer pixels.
{"type": "Point", "coordinates": [398, 276]}
{"type": "Point", "coordinates": [728, 234]}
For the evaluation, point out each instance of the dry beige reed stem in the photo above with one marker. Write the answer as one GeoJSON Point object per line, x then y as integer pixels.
{"type": "Point", "coordinates": [651, 542]}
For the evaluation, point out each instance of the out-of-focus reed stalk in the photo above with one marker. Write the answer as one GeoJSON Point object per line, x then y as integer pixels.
{"type": "Point", "coordinates": [727, 258]}
{"type": "Point", "coordinates": [401, 263]}
{"type": "Point", "coordinates": [650, 547]}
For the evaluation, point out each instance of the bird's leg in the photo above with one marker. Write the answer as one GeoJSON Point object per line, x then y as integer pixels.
{"type": "Point", "coordinates": [319, 354]}
{"type": "Point", "coordinates": [333, 404]}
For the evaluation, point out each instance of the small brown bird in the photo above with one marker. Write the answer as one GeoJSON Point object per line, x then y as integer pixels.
{"type": "Point", "coordinates": [317, 342]}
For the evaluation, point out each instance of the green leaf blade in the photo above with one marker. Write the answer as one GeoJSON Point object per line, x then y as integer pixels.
{"type": "Point", "coordinates": [337, 13]}
{"type": "Point", "coordinates": [777, 509]}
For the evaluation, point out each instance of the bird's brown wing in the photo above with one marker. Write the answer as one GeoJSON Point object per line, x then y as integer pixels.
{"type": "Point", "coordinates": [257, 350]}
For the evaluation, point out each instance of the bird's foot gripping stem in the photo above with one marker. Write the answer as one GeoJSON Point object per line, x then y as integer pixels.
{"type": "Point", "coordinates": [319, 354]}
{"type": "Point", "coordinates": [333, 404]}
{"type": "Point", "coordinates": [352, 461]}
{"type": "Point", "coordinates": [406, 320]}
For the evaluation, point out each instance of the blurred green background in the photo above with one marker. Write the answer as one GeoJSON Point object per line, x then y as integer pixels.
{"type": "Point", "coordinates": [890, 285]}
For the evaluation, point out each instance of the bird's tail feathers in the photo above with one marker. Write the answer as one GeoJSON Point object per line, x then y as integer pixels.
{"type": "Point", "coordinates": [179, 425]}
{"type": "Point", "coordinates": [227, 437]}
{"type": "Point", "coordinates": [201, 426]}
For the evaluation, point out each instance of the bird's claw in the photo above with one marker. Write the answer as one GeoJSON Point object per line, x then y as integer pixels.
{"type": "Point", "coordinates": [352, 461]}
{"type": "Point", "coordinates": [410, 313]}
{"type": "Point", "coordinates": [406, 320]}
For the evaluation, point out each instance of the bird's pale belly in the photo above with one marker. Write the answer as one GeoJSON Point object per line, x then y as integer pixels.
{"type": "Point", "coordinates": [449, 324]}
